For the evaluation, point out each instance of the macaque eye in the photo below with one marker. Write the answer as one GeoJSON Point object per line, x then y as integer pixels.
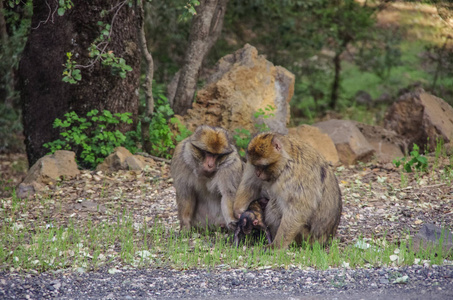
{"type": "Point", "coordinates": [222, 157]}
{"type": "Point", "coordinates": [200, 151]}
{"type": "Point", "coordinates": [262, 167]}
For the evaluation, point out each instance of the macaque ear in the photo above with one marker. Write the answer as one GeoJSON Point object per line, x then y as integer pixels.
{"type": "Point", "coordinates": [277, 144]}
{"type": "Point", "coordinates": [255, 222]}
{"type": "Point", "coordinates": [244, 222]}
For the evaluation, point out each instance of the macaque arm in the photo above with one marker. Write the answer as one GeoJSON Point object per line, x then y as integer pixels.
{"type": "Point", "coordinates": [237, 232]}
{"type": "Point", "coordinates": [227, 209]}
{"type": "Point", "coordinates": [249, 190]}
{"type": "Point", "coordinates": [186, 207]}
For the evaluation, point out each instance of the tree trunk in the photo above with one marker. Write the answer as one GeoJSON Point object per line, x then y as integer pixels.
{"type": "Point", "coordinates": [43, 93]}
{"type": "Point", "coordinates": [336, 80]}
{"type": "Point", "coordinates": [206, 27]}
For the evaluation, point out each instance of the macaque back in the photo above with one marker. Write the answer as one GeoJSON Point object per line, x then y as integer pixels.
{"type": "Point", "coordinates": [304, 196]}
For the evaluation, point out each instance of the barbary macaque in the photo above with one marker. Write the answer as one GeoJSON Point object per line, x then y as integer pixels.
{"type": "Point", "coordinates": [206, 170]}
{"type": "Point", "coordinates": [303, 192]}
{"type": "Point", "coordinates": [252, 218]}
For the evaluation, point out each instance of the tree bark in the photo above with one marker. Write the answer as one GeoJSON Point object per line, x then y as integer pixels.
{"type": "Point", "coordinates": [45, 96]}
{"type": "Point", "coordinates": [206, 26]}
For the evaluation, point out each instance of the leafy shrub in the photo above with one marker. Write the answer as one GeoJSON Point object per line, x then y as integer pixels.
{"type": "Point", "coordinates": [160, 133]}
{"type": "Point", "coordinates": [243, 136]}
{"type": "Point", "coordinates": [419, 162]}
{"type": "Point", "coordinates": [183, 131]}
{"type": "Point", "coordinates": [90, 138]}
{"type": "Point", "coordinates": [242, 139]}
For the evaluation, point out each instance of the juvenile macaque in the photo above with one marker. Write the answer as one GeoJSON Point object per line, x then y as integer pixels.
{"type": "Point", "coordinates": [303, 192]}
{"type": "Point", "coordinates": [206, 170]}
{"type": "Point", "coordinates": [252, 218]}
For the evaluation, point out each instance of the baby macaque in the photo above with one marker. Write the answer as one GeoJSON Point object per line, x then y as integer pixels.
{"type": "Point", "coordinates": [252, 218]}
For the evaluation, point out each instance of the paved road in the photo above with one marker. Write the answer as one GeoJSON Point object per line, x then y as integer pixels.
{"type": "Point", "coordinates": [416, 282]}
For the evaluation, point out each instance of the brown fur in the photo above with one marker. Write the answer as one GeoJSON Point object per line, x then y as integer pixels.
{"type": "Point", "coordinates": [252, 218]}
{"type": "Point", "coordinates": [303, 192]}
{"type": "Point", "coordinates": [206, 169]}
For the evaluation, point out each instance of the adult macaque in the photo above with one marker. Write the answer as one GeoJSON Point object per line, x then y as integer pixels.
{"type": "Point", "coordinates": [252, 218]}
{"type": "Point", "coordinates": [206, 170]}
{"type": "Point", "coordinates": [303, 192]}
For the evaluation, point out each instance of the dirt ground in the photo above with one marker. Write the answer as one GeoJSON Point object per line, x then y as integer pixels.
{"type": "Point", "coordinates": [378, 199]}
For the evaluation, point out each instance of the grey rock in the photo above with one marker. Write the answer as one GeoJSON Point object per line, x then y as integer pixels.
{"type": "Point", "coordinates": [430, 235]}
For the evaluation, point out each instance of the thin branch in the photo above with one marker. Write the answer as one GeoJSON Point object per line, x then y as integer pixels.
{"type": "Point", "coordinates": [98, 57]}
{"type": "Point", "coordinates": [48, 17]}
{"type": "Point", "coordinates": [154, 157]}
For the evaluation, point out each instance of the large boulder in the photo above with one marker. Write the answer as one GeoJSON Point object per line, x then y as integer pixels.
{"type": "Point", "coordinates": [350, 143]}
{"type": "Point", "coordinates": [46, 171]}
{"type": "Point", "coordinates": [123, 159]}
{"type": "Point", "coordinates": [242, 84]}
{"type": "Point", "coordinates": [318, 140]}
{"type": "Point", "coordinates": [387, 144]}
{"type": "Point", "coordinates": [421, 118]}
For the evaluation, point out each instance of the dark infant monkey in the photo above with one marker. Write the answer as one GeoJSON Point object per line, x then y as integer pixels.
{"type": "Point", "coordinates": [252, 218]}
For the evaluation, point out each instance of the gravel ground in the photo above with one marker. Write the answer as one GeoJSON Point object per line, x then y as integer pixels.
{"type": "Point", "coordinates": [423, 282]}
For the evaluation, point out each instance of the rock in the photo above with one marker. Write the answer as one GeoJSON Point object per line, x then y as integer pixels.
{"type": "Point", "coordinates": [122, 159]}
{"type": "Point", "coordinates": [243, 83]}
{"type": "Point", "coordinates": [387, 144]}
{"type": "Point", "coordinates": [430, 235]}
{"type": "Point", "coordinates": [115, 161]}
{"type": "Point", "coordinates": [363, 98]}
{"type": "Point", "coordinates": [384, 98]}
{"type": "Point", "coordinates": [318, 140]}
{"type": "Point", "coordinates": [350, 143]}
{"type": "Point", "coordinates": [421, 118]}
{"type": "Point", "coordinates": [46, 171]}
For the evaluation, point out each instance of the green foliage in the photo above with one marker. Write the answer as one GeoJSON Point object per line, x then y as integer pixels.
{"type": "Point", "coordinates": [162, 17]}
{"type": "Point", "coordinates": [380, 52]}
{"type": "Point", "coordinates": [242, 139]}
{"type": "Point", "coordinates": [182, 129]}
{"type": "Point", "coordinates": [189, 10]}
{"type": "Point", "coordinates": [70, 73]}
{"type": "Point", "coordinates": [417, 161]}
{"type": "Point", "coordinates": [92, 138]}
{"type": "Point", "coordinates": [118, 64]}
{"type": "Point", "coordinates": [243, 136]}
{"type": "Point", "coordinates": [63, 6]}
{"type": "Point", "coordinates": [97, 52]}
{"type": "Point", "coordinates": [159, 131]}
{"type": "Point", "coordinates": [13, 3]}
{"type": "Point", "coordinates": [265, 113]}
{"type": "Point", "coordinates": [17, 16]}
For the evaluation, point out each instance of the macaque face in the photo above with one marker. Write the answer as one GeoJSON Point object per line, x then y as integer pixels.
{"type": "Point", "coordinates": [263, 153]}
{"type": "Point", "coordinates": [210, 148]}
{"type": "Point", "coordinates": [247, 222]}
{"type": "Point", "coordinates": [208, 162]}
{"type": "Point", "coordinates": [262, 172]}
